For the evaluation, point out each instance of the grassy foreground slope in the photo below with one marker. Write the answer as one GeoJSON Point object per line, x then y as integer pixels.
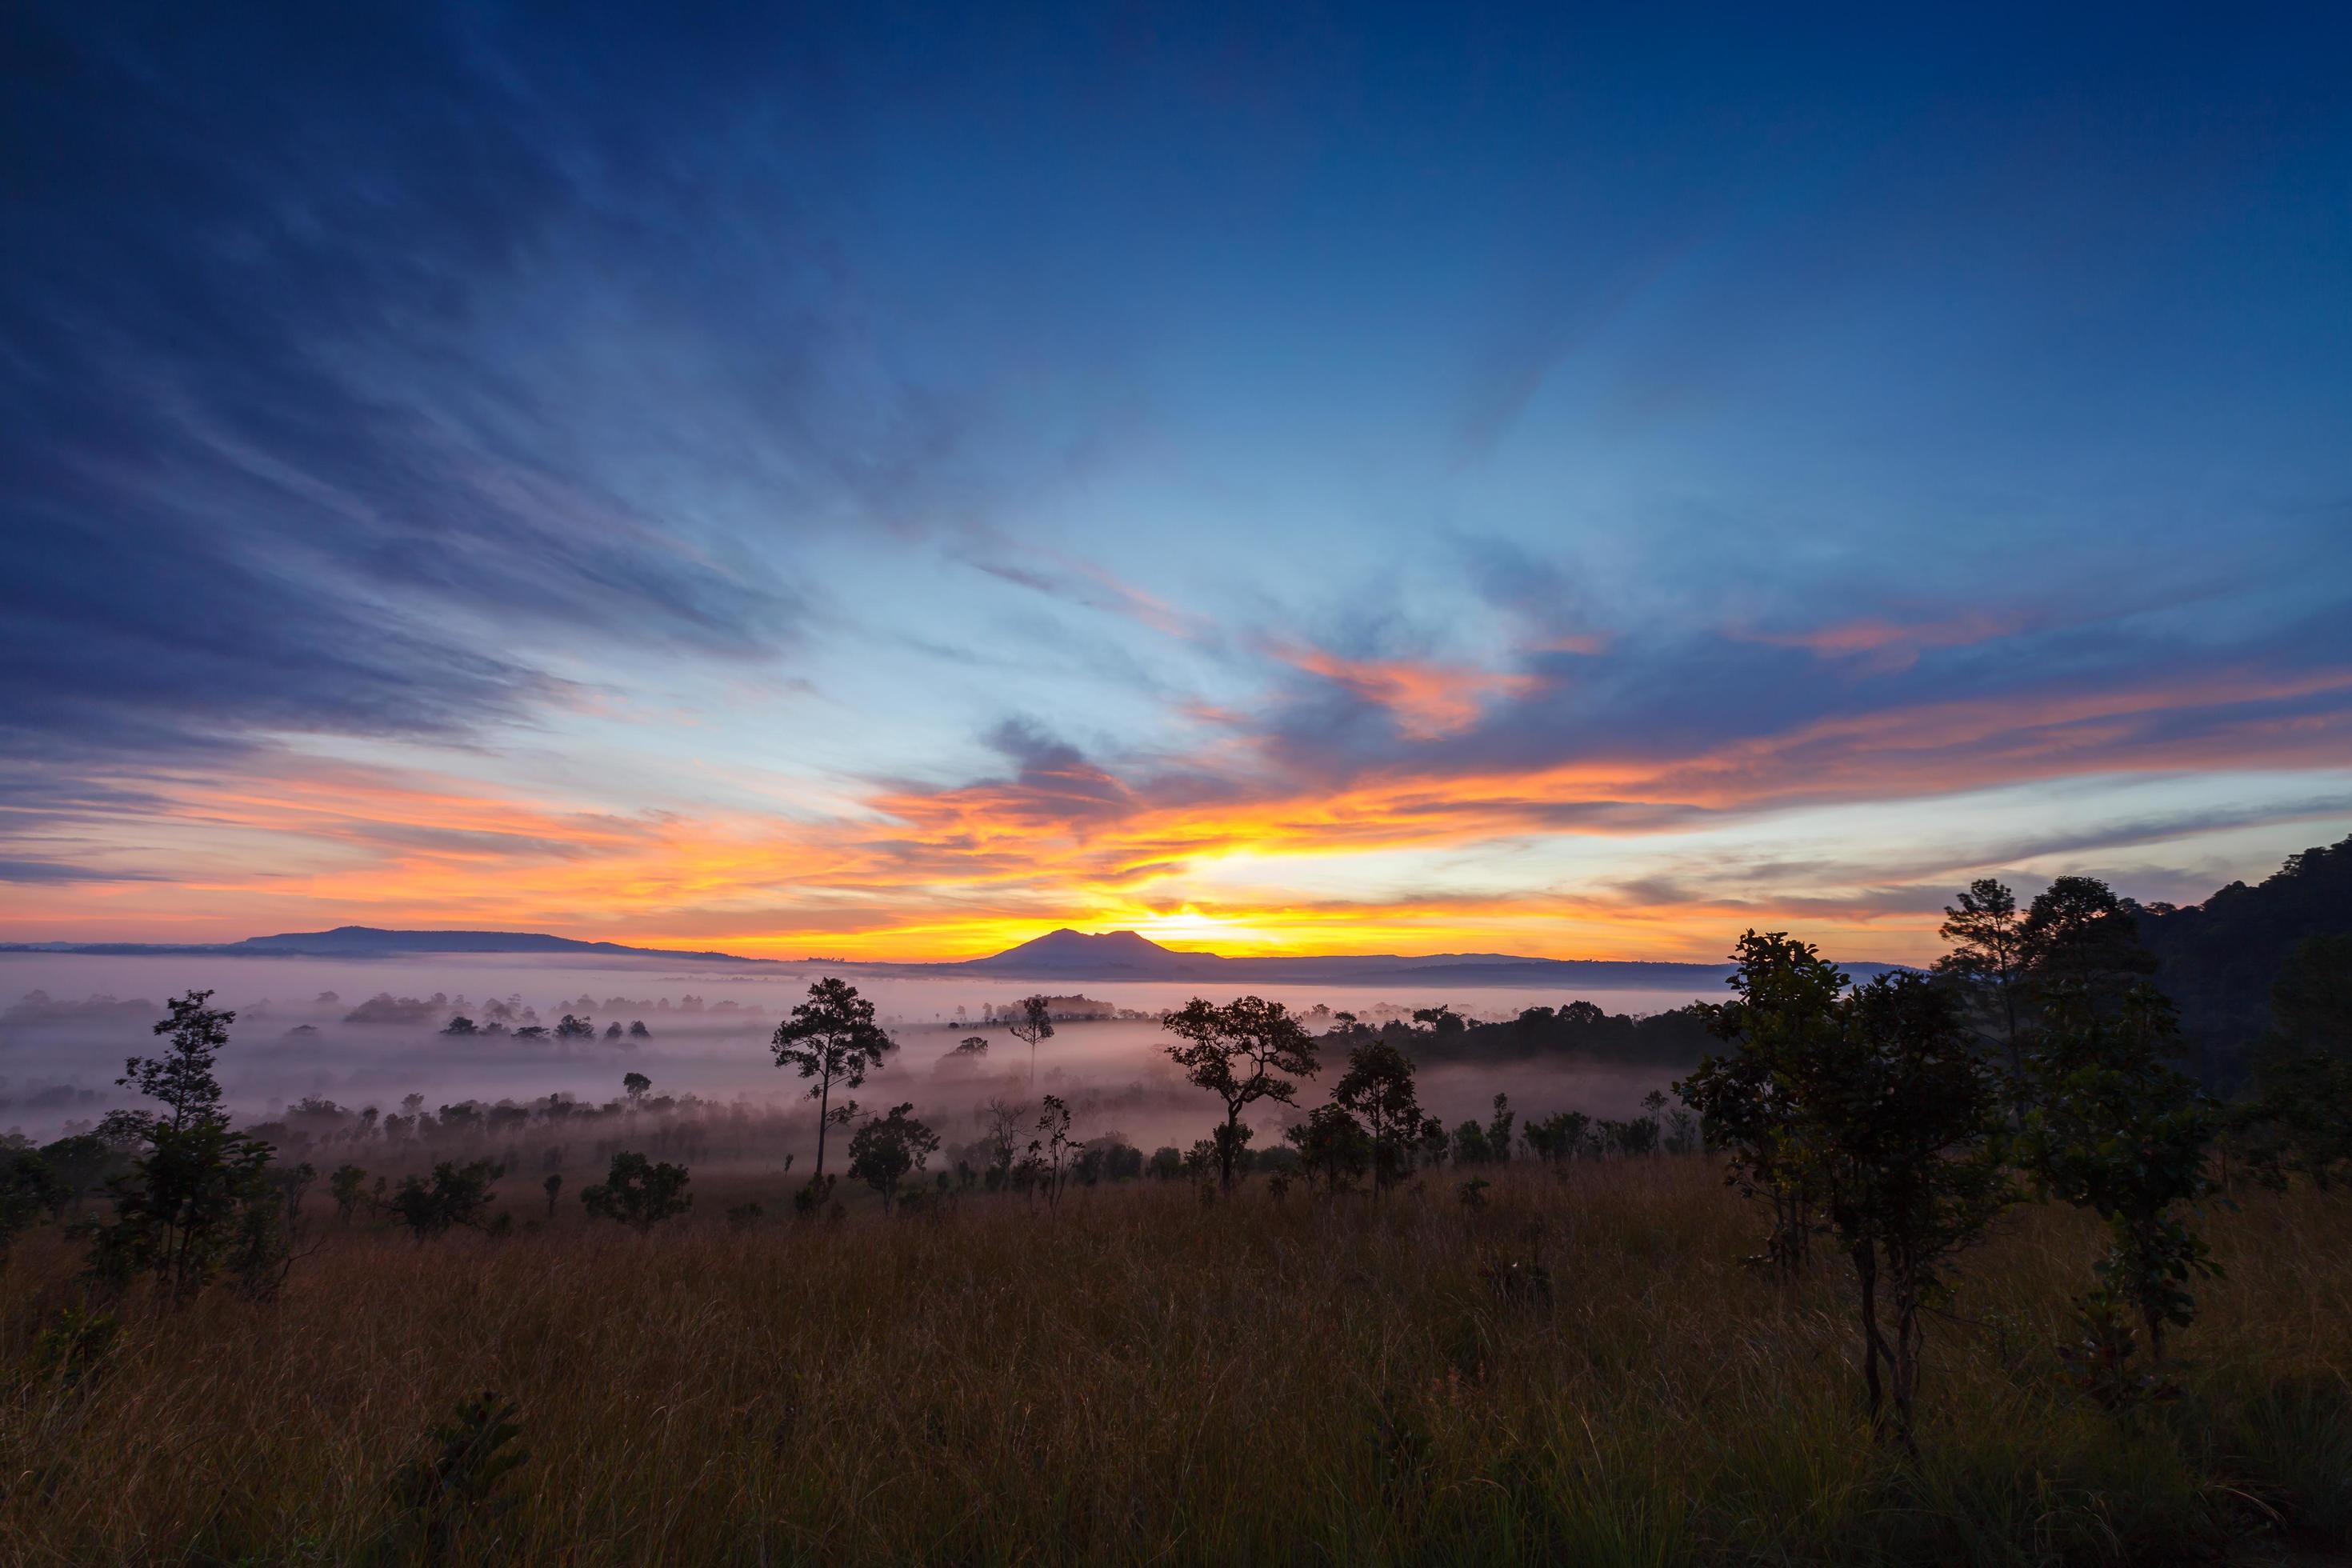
{"type": "Point", "coordinates": [1147, 1377]}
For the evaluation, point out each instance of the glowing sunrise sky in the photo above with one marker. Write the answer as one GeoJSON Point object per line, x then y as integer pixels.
{"type": "Point", "coordinates": [889, 481]}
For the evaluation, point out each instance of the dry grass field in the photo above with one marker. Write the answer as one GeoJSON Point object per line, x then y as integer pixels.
{"type": "Point", "coordinates": [1145, 1378]}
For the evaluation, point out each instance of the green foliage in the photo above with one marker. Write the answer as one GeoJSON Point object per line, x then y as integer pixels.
{"type": "Point", "coordinates": [1869, 1114]}
{"type": "Point", "coordinates": [885, 1148]}
{"type": "Point", "coordinates": [833, 1039]}
{"type": "Point", "coordinates": [2116, 1130]}
{"type": "Point", "coordinates": [1896, 1131]}
{"type": "Point", "coordinates": [637, 1192]}
{"type": "Point", "coordinates": [457, 1481]}
{"type": "Point", "coordinates": [454, 1196]}
{"type": "Point", "coordinates": [1238, 1052]}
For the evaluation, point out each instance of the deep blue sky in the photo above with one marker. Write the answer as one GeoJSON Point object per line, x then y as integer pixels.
{"type": "Point", "coordinates": [894, 480]}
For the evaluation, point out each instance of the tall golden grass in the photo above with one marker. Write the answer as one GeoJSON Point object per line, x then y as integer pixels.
{"type": "Point", "coordinates": [1145, 1378]}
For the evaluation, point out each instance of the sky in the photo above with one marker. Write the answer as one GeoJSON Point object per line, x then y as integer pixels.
{"type": "Point", "coordinates": [887, 481]}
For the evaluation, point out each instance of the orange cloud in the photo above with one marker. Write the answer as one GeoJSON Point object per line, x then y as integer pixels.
{"type": "Point", "coordinates": [1429, 699]}
{"type": "Point", "coordinates": [943, 872]}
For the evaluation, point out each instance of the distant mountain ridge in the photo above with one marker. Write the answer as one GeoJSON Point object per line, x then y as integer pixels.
{"type": "Point", "coordinates": [374, 942]}
{"type": "Point", "coordinates": [1067, 954]}
{"type": "Point", "coordinates": [1064, 954]}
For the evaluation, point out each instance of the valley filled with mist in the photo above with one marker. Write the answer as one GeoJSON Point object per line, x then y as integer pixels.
{"type": "Point", "coordinates": [361, 1035]}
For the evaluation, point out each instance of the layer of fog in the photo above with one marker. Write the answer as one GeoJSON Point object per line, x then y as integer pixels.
{"type": "Point", "coordinates": [68, 1021]}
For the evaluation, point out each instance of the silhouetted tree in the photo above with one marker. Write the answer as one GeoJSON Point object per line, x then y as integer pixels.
{"type": "Point", "coordinates": [885, 1148]}
{"type": "Point", "coordinates": [1035, 1024]}
{"type": "Point", "coordinates": [1560, 1136]}
{"type": "Point", "coordinates": [1237, 1052]}
{"type": "Point", "coordinates": [348, 1187]}
{"type": "Point", "coordinates": [1988, 958]}
{"type": "Point", "coordinates": [2115, 1129]}
{"type": "Point", "coordinates": [1893, 1123]}
{"type": "Point", "coordinates": [1332, 1146]}
{"type": "Point", "coordinates": [636, 1086]}
{"type": "Point", "coordinates": [636, 1191]}
{"type": "Point", "coordinates": [1050, 1149]}
{"type": "Point", "coordinates": [193, 1187]}
{"type": "Point", "coordinates": [832, 1039]}
{"type": "Point", "coordinates": [454, 1195]}
{"type": "Point", "coordinates": [572, 1028]}
{"type": "Point", "coordinates": [1498, 1131]}
{"type": "Point", "coordinates": [1785, 1013]}
{"type": "Point", "coordinates": [2078, 937]}
{"type": "Point", "coordinates": [1001, 1118]}
{"type": "Point", "coordinates": [554, 1186]}
{"type": "Point", "coordinates": [637, 1030]}
{"type": "Point", "coordinates": [1378, 1090]}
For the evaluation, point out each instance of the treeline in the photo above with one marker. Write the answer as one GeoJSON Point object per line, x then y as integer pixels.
{"type": "Point", "coordinates": [1435, 1036]}
{"type": "Point", "coordinates": [2219, 961]}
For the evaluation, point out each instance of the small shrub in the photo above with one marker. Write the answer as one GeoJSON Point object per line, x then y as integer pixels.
{"type": "Point", "coordinates": [637, 1192]}
{"type": "Point", "coordinates": [457, 1481]}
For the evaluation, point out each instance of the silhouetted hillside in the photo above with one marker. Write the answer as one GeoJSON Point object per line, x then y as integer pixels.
{"type": "Point", "coordinates": [2218, 959]}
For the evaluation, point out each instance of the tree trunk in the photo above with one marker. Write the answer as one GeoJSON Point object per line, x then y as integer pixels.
{"type": "Point", "coordinates": [1866, 1271]}
{"type": "Point", "coordinates": [824, 1120]}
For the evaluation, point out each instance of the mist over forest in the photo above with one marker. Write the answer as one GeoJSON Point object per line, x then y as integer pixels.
{"type": "Point", "coordinates": [356, 1035]}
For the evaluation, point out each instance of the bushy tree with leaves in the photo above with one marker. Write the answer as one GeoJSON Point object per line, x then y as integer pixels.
{"type": "Point", "coordinates": [1784, 1014]}
{"type": "Point", "coordinates": [1987, 959]}
{"type": "Point", "coordinates": [2080, 941]}
{"type": "Point", "coordinates": [1896, 1125]}
{"type": "Point", "coordinates": [348, 1186]}
{"type": "Point", "coordinates": [636, 1191]}
{"type": "Point", "coordinates": [2115, 1128]}
{"type": "Point", "coordinates": [1239, 1053]}
{"type": "Point", "coordinates": [831, 1039]}
{"type": "Point", "coordinates": [1557, 1137]}
{"type": "Point", "coordinates": [885, 1150]}
{"type": "Point", "coordinates": [455, 1196]}
{"type": "Point", "coordinates": [1378, 1090]}
{"type": "Point", "coordinates": [197, 1194]}
{"type": "Point", "coordinates": [1333, 1147]}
